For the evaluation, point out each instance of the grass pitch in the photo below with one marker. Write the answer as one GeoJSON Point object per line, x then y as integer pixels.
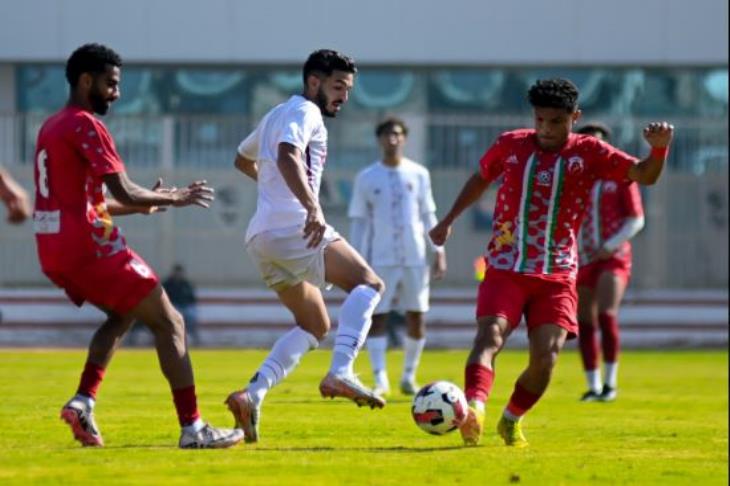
{"type": "Point", "coordinates": [669, 425]}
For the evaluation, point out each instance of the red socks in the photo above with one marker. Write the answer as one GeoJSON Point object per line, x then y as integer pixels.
{"type": "Point", "coordinates": [588, 344]}
{"type": "Point", "coordinates": [91, 379]}
{"type": "Point", "coordinates": [609, 336]}
{"type": "Point", "coordinates": [186, 404]}
{"type": "Point", "coordinates": [478, 382]}
{"type": "Point", "coordinates": [521, 401]}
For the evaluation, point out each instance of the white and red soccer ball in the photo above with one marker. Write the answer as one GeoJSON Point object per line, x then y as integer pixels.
{"type": "Point", "coordinates": [439, 408]}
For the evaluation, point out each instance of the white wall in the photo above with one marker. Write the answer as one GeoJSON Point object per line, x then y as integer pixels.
{"type": "Point", "coordinates": [377, 31]}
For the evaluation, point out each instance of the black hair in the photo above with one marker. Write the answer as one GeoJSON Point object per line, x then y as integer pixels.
{"type": "Point", "coordinates": [326, 61]}
{"type": "Point", "coordinates": [596, 127]}
{"type": "Point", "coordinates": [90, 58]}
{"type": "Point", "coordinates": [388, 124]}
{"type": "Point", "coordinates": [554, 93]}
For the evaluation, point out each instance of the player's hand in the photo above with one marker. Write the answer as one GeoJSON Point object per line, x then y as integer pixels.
{"type": "Point", "coordinates": [440, 233]}
{"type": "Point", "coordinates": [314, 227]}
{"type": "Point", "coordinates": [438, 271]}
{"type": "Point", "coordinates": [659, 134]}
{"type": "Point", "coordinates": [604, 254]}
{"type": "Point", "coordinates": [18, 204]}
{"type": "Point", "coordinates": [198, 193]}
{"type": "Point", "coordinates": [159, 188]}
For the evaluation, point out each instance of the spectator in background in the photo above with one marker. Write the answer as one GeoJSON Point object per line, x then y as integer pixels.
{"type": "Point", "coordinates": [14, 197]}
{"type": "Point", "coordinates": [182, 295]}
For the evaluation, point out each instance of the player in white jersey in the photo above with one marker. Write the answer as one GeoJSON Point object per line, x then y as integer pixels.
{"type": "Point", "coordinates": [296, 251]}
{"type": "Point", "coordinates": [391, 211]}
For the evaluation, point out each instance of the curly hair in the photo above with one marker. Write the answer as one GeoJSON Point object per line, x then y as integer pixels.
{"type": "Point", "coordinates": [554, 93]}
{"type": "Point", "coordinates": [90, 58]}
{"type": "Point", "coordinates": [326, 61]}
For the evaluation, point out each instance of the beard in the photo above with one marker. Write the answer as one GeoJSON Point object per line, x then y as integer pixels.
{"type": "Point", "coordinates": [99, 104]}
{"type": "Point", "coordinates": [322, 103]}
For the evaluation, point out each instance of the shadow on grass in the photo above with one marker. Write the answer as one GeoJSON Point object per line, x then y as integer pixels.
{"type": "Point", "coordinates": [376, 450]}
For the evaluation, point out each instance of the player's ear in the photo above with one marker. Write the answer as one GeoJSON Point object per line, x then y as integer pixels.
{"type": "Point", "coordinates": [86, 80]}
{"type": "Point", "coordinates": [313, 82]}
{"type": "Point", "coordinates": [576, 115]}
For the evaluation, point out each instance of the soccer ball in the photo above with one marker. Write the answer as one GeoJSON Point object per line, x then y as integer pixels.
{"type": "Point", "coordinates": [439, 407]}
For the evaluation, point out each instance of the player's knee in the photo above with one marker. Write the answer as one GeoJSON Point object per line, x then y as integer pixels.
{"type": "Point", "coordinates": [489, 338]}
{"type": "Point", "coordinates": [372, 280]}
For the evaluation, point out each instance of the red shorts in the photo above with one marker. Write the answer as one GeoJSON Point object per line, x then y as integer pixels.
{"type": "Point", "coordinates": [116, 283]}
{"type": "Point", "coordinates": [588, 274]}
{"type": "Point", "coordinates": [543, 301]}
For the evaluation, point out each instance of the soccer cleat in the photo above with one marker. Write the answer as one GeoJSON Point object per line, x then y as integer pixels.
{"type": "Point", "coordinates": [246, 414]}
{"type": "Point", "coordinates": [590, 396]}
{"type": "Point", "coordinates": [511, 432]}
{"type": "Point", "coordinates": [349, 387]}
{"type": "Point", "coordinates": [471, 429]}
{"type": "Point", "coordinates": [210, 438]}
{"type": "Point", "coordinates": [409, 387]}
{"type": "Point", "coordinates": [80, 417]}
{"type": "Point", "coordinates": [608, 394]}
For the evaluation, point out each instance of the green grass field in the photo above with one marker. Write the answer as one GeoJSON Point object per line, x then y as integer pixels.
{"type": "Point", "coordinates": [669, 426]}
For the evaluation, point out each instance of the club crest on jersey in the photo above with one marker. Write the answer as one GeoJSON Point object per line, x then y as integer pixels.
{"type": "Point", "coordinates": [575, 165]}
{"type": "Point", "coordinates": [544, 177]}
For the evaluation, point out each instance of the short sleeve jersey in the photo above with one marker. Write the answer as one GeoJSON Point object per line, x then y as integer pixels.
{"type": "Point", "coordinates": [298, 122]}
{"type": "Point", "coordinates": [542, 198]}
{"type": "Point", "coordinates": [393, 202]}
{"type": "Point", "coordinates": [609, 205]}
{"type": "Point", "coordinates": [72, 225]}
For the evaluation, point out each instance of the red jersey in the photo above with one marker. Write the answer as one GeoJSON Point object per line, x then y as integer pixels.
{"type": "Point", "coordinates": [71, 221]}
{"type": "Point", "coordinates": [542, 198]}
{"type": "Point", "coordinates": [608, 207]}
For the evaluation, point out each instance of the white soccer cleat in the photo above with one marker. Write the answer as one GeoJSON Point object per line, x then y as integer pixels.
{"type": "Point", "coordinates": [246, 414]}
{"type": "Point", "coordinates": [80, 417]}
{"type": "Point", "coordinates": [409, 386]}
{"type": "Point", "coordinates": [210, 438]}
{"type": "Point", "coordinates": [351, 388]}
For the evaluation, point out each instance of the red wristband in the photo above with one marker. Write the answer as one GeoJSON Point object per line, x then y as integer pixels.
{"type": "Point", "coordinates": [659, 152]}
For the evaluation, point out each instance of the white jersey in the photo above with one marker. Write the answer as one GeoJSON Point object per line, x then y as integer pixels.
{"type": "Point", "coordinates": [298, 122]}
{"type": "Point", "coordinates": [398, 206]}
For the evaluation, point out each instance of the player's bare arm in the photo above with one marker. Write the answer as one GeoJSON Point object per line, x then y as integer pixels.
{"type": "Point", "coordinates": [659, 136]}
{"type": "Point", "coordinates": [247, 166]}
{"type": "Point", "coordinates": [289, 162]}
{"type": "Point", "coordinates": [470, 193]}
{"type": "Point", "coordinates": [116, 208]}
{"type": "Point", "coordinates": [14, 197]}
{"type": "Point", "coordinates": [127, 193]}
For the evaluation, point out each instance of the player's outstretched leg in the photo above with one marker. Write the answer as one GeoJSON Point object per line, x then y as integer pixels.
{"type": "Point", "coordinates": [345, 268]}
{"type": "Point", "coordinates": [168, 328]}
{"type": "Point", "coordinates": [285, 355]}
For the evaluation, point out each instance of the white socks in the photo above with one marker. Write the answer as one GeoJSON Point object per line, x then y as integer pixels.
{"type": "Point", "coordinates": [282, 359]}
{"type": "Point", "coordinates": [377, 346]}
{"type": "Point", "coordinates": [195, 427]}
{"type": "Point", "coordinates": [611, 374]}
{"type": "Point", "coordinates": [413, 349]}
{"type": "Point", "coordinates": [352, 328]}
{"type": "Point", "coordinates": [593, 377]}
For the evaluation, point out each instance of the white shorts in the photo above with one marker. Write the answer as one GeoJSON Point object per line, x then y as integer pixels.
{"type": "Point", "coordinates": [284, 260]}
{"type": "Point", "coordinates": [406, 289]}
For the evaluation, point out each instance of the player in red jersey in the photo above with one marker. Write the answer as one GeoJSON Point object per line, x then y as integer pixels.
{"type": "Point", "coordinates": [614, 215]}
{"type": "Point", "coordinates": [14, 197]}
{"type": "Point", "coordinates": [82, 251]}
{"type": "Point", "coordinates": [545, 175]}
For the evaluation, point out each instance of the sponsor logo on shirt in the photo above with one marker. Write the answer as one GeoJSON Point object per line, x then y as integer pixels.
{"type": "Point", "coordinates": [139, 267]}
{"type": "Point", "coordinates": [575, 165]}
{"type": "Point", "coordinates": [544, 177]}
{"type": "Point", "coordinates": [512, 159]}
{"type": "Point", "coordinates": [610, 186]}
